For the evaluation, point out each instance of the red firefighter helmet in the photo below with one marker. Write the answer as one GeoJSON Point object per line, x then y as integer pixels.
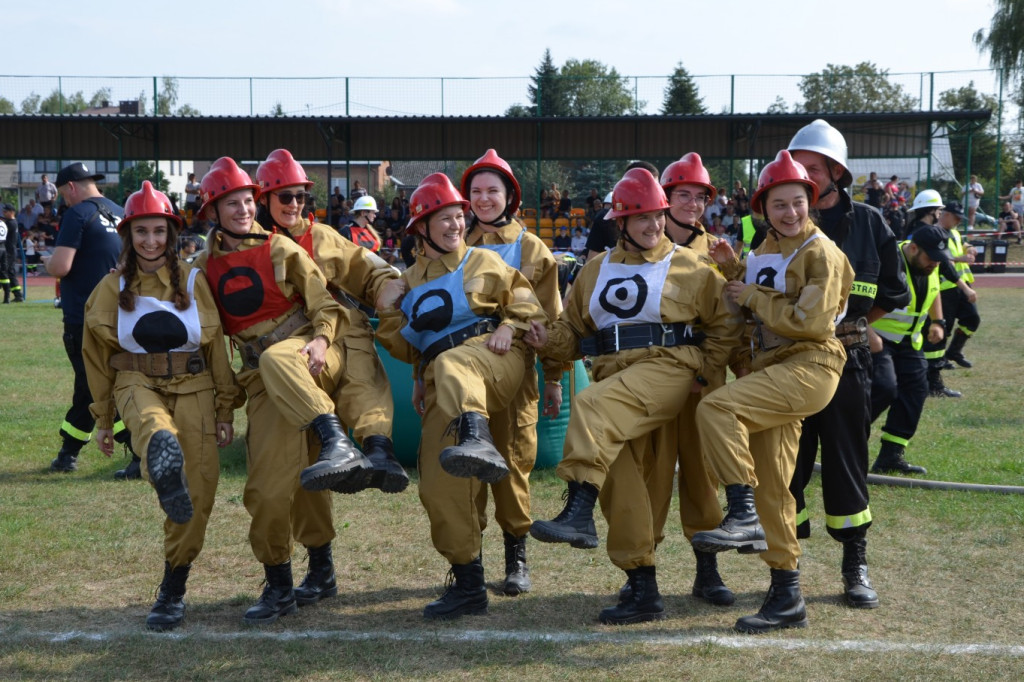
{"type": "Point", "coordinates": [637, 192]}
{"type": "Point", "coordinates": [492, 162]}
{"type": "Point", "coordinates": [146, 203]}
{"type": "Point", "coordinates": [223, 178]}
{"type": "Point", "coordinates": [780, 171]}
{"type": "Point", "coordinates": [435, 192]}
{"type": "Point", "coordinates": [281, 170]}
{"type": "Point", "coordinates": [688, 170]}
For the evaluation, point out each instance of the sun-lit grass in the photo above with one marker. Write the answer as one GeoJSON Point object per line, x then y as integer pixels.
{"type": "Point", "coordinates": [82, 553]}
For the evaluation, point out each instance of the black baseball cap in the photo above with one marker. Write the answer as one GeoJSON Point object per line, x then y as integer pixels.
{"type": "Point", "coordinates": [954, 207]}
{"type": "Point", "coordinates": [8, 207]}
{"type": "Point", "coordinates": [932, 240]}
{"type": "Point", "coordinates": [75, 172]}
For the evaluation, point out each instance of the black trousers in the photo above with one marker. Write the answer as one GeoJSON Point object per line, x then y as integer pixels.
{"type": "Point", "coordinates": [899, 384]}
{"type": "Point", "coordinates": [842, 429]}
{"type": "Point", "coordinates": [76, 430]}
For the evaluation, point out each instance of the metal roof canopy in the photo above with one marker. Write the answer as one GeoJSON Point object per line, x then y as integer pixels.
{"type": "Point", "coordinates": [722, 136]}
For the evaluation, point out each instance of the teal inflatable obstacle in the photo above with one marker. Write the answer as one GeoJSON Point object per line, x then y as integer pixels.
{"type": "Point", "coordinates": [406, 433]}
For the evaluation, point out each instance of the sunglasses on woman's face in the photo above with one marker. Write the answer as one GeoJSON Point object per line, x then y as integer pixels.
{"type": "Point", "coordinates": [287, 197]}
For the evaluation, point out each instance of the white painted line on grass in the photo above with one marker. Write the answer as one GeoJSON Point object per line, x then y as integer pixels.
{"type": "Point", "coordinates": [10, 635]}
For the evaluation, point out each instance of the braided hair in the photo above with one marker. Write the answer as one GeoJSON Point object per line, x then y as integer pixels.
{"type": "Point", "coordinates": [129, 265]}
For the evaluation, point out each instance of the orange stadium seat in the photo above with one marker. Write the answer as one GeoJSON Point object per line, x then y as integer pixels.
{"type": "Point", "coordinates": [530, 223]}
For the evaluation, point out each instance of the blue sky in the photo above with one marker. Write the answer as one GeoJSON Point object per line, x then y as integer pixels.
{"type": "Point", "coordinates": [475, 38]}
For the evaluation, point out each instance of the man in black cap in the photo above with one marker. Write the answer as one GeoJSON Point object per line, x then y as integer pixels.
{"type": "Point", "coordinates": [87, 248]}
{"type": "Point", "coordinates": [958, 304]}
{"type": "Point", "coordinates": [900, 369]}
{"type": "Point", "coordinates": [9, 254]}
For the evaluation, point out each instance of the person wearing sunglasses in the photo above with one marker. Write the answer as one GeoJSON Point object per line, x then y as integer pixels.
{"type": "Point", "coordinates": [290, 332]}
{"type": "Point", "coordinates": [364, 401]}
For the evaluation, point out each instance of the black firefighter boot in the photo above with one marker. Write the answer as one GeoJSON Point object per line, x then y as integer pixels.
{"type": "Point", "coordinates": [278, 598]}
{"type": "Point", "coordinates": [340, 462]}
{"type": "Point", "coordinates": [936, 386]}
{"type": "Point", "coordinates": [474, 454]}
{"type": "Point", "coordinates": [169, 610]}
{"type": "Point", "coordinates": [319, 582]}
{"type": "Point", "coordinates": [131, 472]}
{"type": "Point", "coordinates": [388, 476]}
{"type": "Point", "coordinates": [517, 573]}
{"type": "Point", "coordinates": [708, 584]}
{"type": "Point", "coordinates": [18, 297]}
{"type": "Point", "coordinates": [857, 590]}
{"type": "Point", "coordinates": [66, 460]}
{"type": "Point", "coordinates": [890, 461]}
{"type": "Point", "coordinates": [740, 529]}
{"type": "Point", "coordinates": [166, 464]}
{"type": "Point", "coordinates": [7, 292]}
{"type": "Point", "coordinates": [782, 608]}
{"type": "Point", "coordinates": [641, 603]}
{"type": "Point", "coordinates": [575, 524]}
{"type": "Point", "coordinates": [465, 593]}
{"type": "Point", "coordinates": [956, 349]}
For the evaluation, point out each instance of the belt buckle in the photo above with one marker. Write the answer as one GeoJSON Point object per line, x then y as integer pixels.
{"type": "Point", "coordinates": [195, 364]}
{"type": "Point", "coordinates": [250, 356]}
{"type": "Point", "coordinates": [167, 368]}
{"type": "Point", "coordinates": [668, 334]}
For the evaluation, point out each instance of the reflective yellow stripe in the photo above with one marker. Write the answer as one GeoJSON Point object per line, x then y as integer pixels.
{"type": "Point", "coordinates": [119, 427]}
{"type": "Point", "coordinates": [866, 289]}
{"type": "Point", "coordinates": [895, 439]}
{"type": "Point", "coordinates": [77, 434]}
{"type": "Point", "coordinates": [935, 354]}
{"type": "Point", "coordinates": [850, 521]}
{"type": "Point", "coordinates": [802, 516]}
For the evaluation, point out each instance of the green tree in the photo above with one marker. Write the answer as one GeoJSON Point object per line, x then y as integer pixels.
{"type": "Point", "coordinates": [30, 105]}
{"type": "Point", "coordinates": [53, 104]}
{"type": "Point", "coordinates": [859, 88]}
{"type": "Point", "coordinates": [519, 111]}
{"type": "Point", "coordinates": [982, 142]}
{"type": "Point", "coordinates": [593, 89]}
{"type": "Point", "coordinates": [681, 94]}
{"type": "Point", "coordinates": [130, 179]}
{"type": "Point", "coordinates": [6, 106]}
{"type": "Point", "coordinates": [277, 109]}
{"type": "Point", "coordinates": [779, 106]}
{"type": "Point", "coordinates": [99, 97]}
{"type": "Point", "coordinates": [1004, 41]}
{"type": "Point", "coordinates": [548, 91]}
{"type": "Point", "coordinates": [187, 110]}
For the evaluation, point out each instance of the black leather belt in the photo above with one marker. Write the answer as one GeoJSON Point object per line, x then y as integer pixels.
{"type": "Point", "coordinates": [853, 332]}
{"type": "Point", "coordinates": [459, 337]}
{"type": "Point", "coordinates": [159, 365]}
{"type": "Point", "coordinates": [251, 351]}
{"type": "Point", "coordinates": [627, 336]}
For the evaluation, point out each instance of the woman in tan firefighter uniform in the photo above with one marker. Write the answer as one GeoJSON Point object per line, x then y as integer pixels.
{"type": "Point", "coordinates": [795, 285]}
{"type": "Point", "coordinates": [364, 400]}
{"type": "Point", "coordinates": [633, 311]}
{"type": "Point", "coordinates": [154, 352]}
{"type": "Point", "coordinates": [676, 445]}
{"type": "Point", "coordinates": [494, 196]}
{"type": "Point", "coordinates": [275, 306]}
{"type": "Point", "coordinates": [457, 315]}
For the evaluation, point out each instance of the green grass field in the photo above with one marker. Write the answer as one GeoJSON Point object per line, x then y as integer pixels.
{"type": "Point", "coordinates": [80, 560]}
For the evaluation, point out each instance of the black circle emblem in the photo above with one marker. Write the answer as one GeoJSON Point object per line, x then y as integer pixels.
{"type": "Point", "coordinates": [159, 332]}
{"type": "Point", "coordinates": [624, 297]}
{"type": "Point", "coordinates": [432, 311]}
{"type": "Point", "coordinates": [240, 291]}
{"type": "Point", "coordinates": [766, 277]}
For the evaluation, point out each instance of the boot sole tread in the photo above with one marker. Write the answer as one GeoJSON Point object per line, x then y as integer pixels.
{"type": "Point", "coordinates": [477, 610]}
{"type": "Point", "coordinates": [333, 476]}
{"type": "Point", "coordinates": [286, 611]}
{"type": "Point", "coordinates": [309, 601]}
{"type": "Point", "coordinates": [467, 466]}
{"type": "Point", "coordinates": [714, 547]}
{"type": "Point", "coordinates": [544, 533]}
{"type": "Point", "coordinates": [750, 630]}
{"type": "Point", "coordinates": [166, 464]}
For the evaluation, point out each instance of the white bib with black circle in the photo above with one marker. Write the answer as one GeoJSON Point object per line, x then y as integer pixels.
{"type": "Point", "coordinates": [629, 294]}
{"type": "Point", "coordinates": [156, 326]}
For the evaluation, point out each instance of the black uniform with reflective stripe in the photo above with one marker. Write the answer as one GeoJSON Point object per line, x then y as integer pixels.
{"type": "Point", "coordinates": [842, 427]}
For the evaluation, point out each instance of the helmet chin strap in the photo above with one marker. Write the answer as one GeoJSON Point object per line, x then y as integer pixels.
{"type": "Point", "coordinates": [428, 240]}
{"type": "Point", "coordinates": [150, 260]}
{"type": "Point", "coordinates": [248, 235]}
{"type": "Point", "coordinates": [695, 230]}
{"type": "Point", "coordinates": [625, 234]}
